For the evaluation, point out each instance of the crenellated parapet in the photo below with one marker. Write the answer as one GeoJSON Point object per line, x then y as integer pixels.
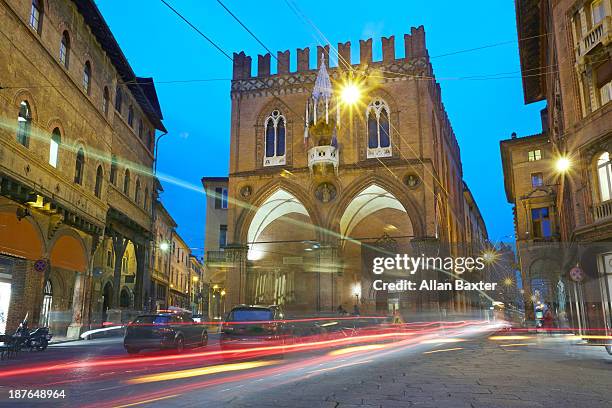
{"type": "Point", "coordinates": [414, 63]}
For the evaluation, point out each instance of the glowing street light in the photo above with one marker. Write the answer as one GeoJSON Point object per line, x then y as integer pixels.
{"type": "Point", "coordinates": [223, 292]}
{"type": "Point", "coordinates": [350, 94]}
{"type": "Point", "coordinates": [164, 246]}
{"type": "Point", "coordinates": [563, 164]}
{"type": "Point", "coordinates": [195, 278]}
{"type": "Point", "coordinates": [489, 256]}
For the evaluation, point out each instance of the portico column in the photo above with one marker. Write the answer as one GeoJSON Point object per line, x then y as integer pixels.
{"type": "Point", "coordinates": [235, 283]}
{"type": "Point", "coordinates": [328, 270]}
{"type": "Point", "coordinates": [142, 278]}
{"type": "Point", "coordinates": [119, 246]}
{"type": "Point", "coordinates": [74, 330]}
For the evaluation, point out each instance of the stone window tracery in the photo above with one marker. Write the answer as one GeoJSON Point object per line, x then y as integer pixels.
{"type": "Point", "coordinates": [274, 137]}
{"type": "Point", "coordinates": [378, 129]}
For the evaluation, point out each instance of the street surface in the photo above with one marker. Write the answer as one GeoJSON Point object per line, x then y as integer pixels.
{"type": "Point", "coordinates": [456, 365]}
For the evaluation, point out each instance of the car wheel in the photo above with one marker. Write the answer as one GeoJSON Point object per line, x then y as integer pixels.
{"type": "Point", "coordinates": [132, 350]}
{"type": "Point", "coordinates": [179, 344]}
{"type": "Point", "coordinates": [204, 341]}
{"type": "Point", "coordinates": [609, 349]}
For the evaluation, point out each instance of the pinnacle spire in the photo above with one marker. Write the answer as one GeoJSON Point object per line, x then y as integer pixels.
{"type": "Point", "coordinates": [322, 88]}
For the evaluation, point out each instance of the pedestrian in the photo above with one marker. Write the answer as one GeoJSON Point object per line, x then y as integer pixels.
{"type": "Point", "coordinates": [341, 311]}
{"type": "Point", "coordinates": [548, 320]}
{"type": "Point", "coordinates": [356, 310]}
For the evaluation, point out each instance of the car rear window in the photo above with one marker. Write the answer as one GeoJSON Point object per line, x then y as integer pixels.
{"type": "Point", "coordinates": [251, 315]}
{"type": "Point", "coordinates": [152, 320]}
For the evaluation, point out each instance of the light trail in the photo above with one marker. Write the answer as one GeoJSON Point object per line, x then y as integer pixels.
{"type": "Point", "coordinates": [443, 350]}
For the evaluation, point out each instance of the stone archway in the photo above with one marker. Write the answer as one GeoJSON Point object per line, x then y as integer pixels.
{"type": "Point", "coordinates": [282, 259]}
{"type": "Point", "coordinates": [374, 224]}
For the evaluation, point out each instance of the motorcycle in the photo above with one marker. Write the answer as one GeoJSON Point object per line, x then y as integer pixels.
{"type": "Point", "coordinates": [36, 339]}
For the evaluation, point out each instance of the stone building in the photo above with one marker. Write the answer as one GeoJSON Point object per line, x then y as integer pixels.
{"type": "Point", "coordinates": [179, 273]}
{"type": "Point", "coordinates": [76, 152]}
{"type": "Point", "coordinates": [565, 49]}
{"type": "Point", "coordinates": [164, 229]}
{"type": "Point", "coordinates": [330, 167]}
{"type": "Point", "coordinates": [215, 240]}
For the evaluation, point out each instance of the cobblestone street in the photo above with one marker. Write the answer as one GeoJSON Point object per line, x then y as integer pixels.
{"type": "Point", "coordinates": [547, 373]}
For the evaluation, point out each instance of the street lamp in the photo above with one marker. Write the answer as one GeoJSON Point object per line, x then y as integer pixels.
{"type": "Point", "coordinates": [563, 164]}
{"type": "Point", "coordinates": [164, 246]}
{"type": "Point", "coordinates": [350, 94]}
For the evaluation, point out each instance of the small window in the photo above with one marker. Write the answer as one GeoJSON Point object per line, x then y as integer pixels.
{"type": "Point", "coordinates": [79, 166]}
{"type": "Point", "coordinates": [118, 99]}
{"type": "Point", "coordinates": [535, 155]}
{"type": "Point", "coordinates": [222, 236]}
{"type": "Point", "coordinates": [87, 77]}
{"type": "Point", "coordinates": [24, 123]}
{"type": "Point", "coordinates": [599, 12]}
{"type": "Point", "coordinates": [113, 170]}
{"type": "Point", "coordinates": [109, 259]}
{"type": "Point", "coordinates": [131, 116]}
{"type": "Point", "coordinates": [105, 100]}
{"type": "Point", "coordinates": [606, 93]}
{"type": "Point", "coordinates": [137, 192]}
{"type": "Point", "coordinates": [221, 198]}
{"type": "Point", "coordinates": [98, 186]}
{"type": "Point", "coordinates": [540, 221]}
{"type": "Point", "coordinates": [140, 128]}
{"type": "Point", "coordinates": [537, 180]}
{"type": "Point", "coordinates": [36, 15]}
{"type": "Point", "coordinates": [64, 52]}
{"type": "Point", "coordinates": [146, 199]}
{"type": "Point", "coordinates": [150, 140]}
{"type": "Point", "coordinates": [54, 145]}
{"type": "Point", "coordinates": [604, 173]}
{"type": "Point", "coordinates": [126, 183]}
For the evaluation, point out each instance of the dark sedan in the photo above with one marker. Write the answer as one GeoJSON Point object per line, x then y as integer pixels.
{"type": "Point", "coordinates": [249, 326]}
{"type": "Point", "coordinates": [164, 331]}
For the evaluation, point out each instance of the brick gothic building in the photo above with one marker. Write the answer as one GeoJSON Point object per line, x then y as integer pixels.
{"type": "Point", "coordinates": [318, 186]}
{"type": "Point", "coordinates": [564, 218]}
{"type": "Point", "coordinates": [77, 132]}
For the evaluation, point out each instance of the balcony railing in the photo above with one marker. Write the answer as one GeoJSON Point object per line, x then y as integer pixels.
{"type": "Point", "coordinates": [322, 156]}
{"type": "Point", "coordinates": [601, 33]}
{"type": "Point", "coordinates": [219, 256]}
{"type": "Point", "coordinates": [603, 210]}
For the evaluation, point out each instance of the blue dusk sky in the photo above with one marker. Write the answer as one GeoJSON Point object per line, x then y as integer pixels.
{"type": "Point", "coordinates": [197, 114]}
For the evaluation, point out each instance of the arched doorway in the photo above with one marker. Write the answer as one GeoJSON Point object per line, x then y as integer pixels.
{"type": "Point", "coordinates": [107, 301]}
{"type": "Point", "coordinates": [282, 255]}
{"type": "Point", "coordinates": [374, 224]}
{"type": "Point", "coordinates": [125, 299]}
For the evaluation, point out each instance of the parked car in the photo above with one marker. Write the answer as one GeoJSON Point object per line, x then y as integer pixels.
{"type": "Point", "coordinates": [162, 331]}
{"type": "Point", "coordinates": [253, 326]}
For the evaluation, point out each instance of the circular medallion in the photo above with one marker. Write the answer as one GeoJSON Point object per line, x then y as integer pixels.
{"type": "Point", "coordinates": [40, 265]}
{"type": "Point", "coordinates": [246, 191]}
{"type": "Point", "coordinates": [412, 180]}
{"type": "Point", "coordinates": [577, 274]}
{"type": "Point", "coordinates": [325, 192]}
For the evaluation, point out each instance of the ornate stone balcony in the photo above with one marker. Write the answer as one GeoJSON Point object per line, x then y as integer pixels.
{"type": "Point", "coordinates": [322, 157]}
{"type": "Point", "coordinates": [602, 211]}
{"type": "Point", "coordinates": [601, 33]}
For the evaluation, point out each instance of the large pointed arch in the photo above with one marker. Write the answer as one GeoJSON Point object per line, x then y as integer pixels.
{"type": "Point", "coordinates": [394, 189]}
{"type": "Point", "coordinates": [370, 200]}
{"type": "Point", "coordinates": [263, 195]}
{"type": "Point", "coordinates": [277, 205]}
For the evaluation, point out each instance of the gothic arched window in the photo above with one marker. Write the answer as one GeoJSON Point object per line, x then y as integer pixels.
{"type": "Point", "coordinates": [79, 166]}
{"type": "Point", "coordinates": [118, 99]}
{"type": "Point", "coordinates": [378, 128]}
{"type": "Point", "coordinates": [113, 170]}
{"type": "Point", "coordinates": [98, 186]}
{"type": "Point", "coordinates": [105, 100]}
{"type": "Point", "coordinates": [137, 192]}
{"type": "Point", "coordinates": [36, 15]}
{"type": "Point", "coordinates": [275, 134]}
{"type": "Point", "coordinates": [126, 183]}
{"type": "Point", "coordinates": [54, 146]}
{"type": "Point", "coordinates": [131, 116]}
{"type": "Point", "coordinates": [24, 123]}
{"type": "Point", "coordinates": [604, 173]}
{"type": "Point", "coordinates": [87, 77]}
{"type": "Point", "coordinates": [64, 51]}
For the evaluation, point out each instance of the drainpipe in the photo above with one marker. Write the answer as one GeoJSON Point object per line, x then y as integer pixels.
{"type": "Point", "coordinates": [153, 294]}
